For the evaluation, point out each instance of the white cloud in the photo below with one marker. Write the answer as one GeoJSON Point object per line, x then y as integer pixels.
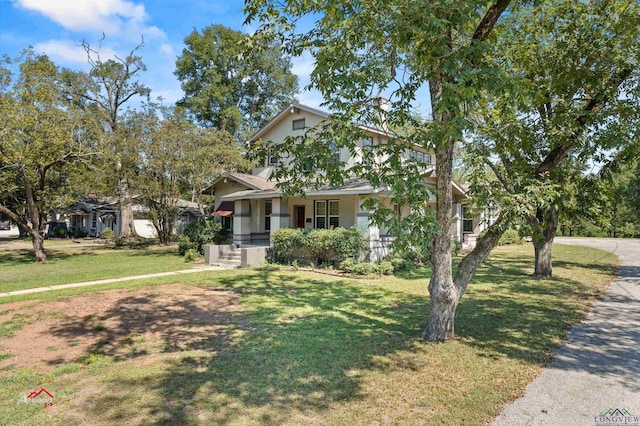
{"type": "Point", "coordinates": [167, 50]}
{"type": "Point", "coordinates": [69, 51]}
{"type": "Point", "coordinates": [113, 17]}
{"type": "Point", "coordinates": [302, 66]}
{"type": "Point", "coordinates": [311, 99]}
{"type": "Point", "coordinates": [168, 96]}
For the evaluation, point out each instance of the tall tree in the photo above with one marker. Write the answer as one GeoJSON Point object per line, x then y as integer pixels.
{"type": "Point", "coordinates": [229, 88]}
{"type": "Point", "coordinates": [579, 65]}
{"type": "Point", "coordinates": [42, 139]}
{"type": "Point", "coordinates": [106, 91]}
{"type": "Point", "coordinates": [177, 157]}
{"type": "Point", "coordinates": [363, 49]}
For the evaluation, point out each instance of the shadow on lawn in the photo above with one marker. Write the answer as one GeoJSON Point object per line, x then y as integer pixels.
{"type": "Point", "coordinates": [295, 349]}
{"type": "Point", "coordinates": [301, 339]}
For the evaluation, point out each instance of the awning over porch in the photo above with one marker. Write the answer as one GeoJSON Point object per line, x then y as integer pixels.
{"type": "Point", "coordinates": [226, 208]}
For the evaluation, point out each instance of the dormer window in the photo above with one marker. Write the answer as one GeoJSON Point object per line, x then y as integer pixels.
{"type": "Point", "coordinates": [335, 152]}
{"type": "Point", "coordinates": [272, 160]}
{"type": "Point", "coordinates": [367, 142]}
{"type": "Point", "coordinates": [298, 124]}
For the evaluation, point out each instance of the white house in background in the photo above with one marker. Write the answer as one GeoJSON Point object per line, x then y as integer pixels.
{"type": "Point", "coordinates": [251, 207]}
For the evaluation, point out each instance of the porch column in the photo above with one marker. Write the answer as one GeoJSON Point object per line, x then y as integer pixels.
{"type": "Point", "coordinates": [279, 214]}
{"type": "Point", "coordinates": [456, 220]}
{"type": "Point", "coordinates": [241, 222]}
{"type": "Point", "coordinates": [370, 231]}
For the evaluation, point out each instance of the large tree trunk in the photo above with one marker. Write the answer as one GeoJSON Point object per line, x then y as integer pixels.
{"type": "Point", "coordinates": [38, 247]}
{"type": "Point", "coordinates": [544, 229]}
{"type": "Point", "coordinates": [443, 294]}
{"type": "Point", "coordinates": [34, 217]}
{"type": "Point", "coordinates": [127, 224]}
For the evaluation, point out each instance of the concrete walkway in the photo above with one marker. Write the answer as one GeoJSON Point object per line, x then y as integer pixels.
{"type": "Point", "coordinates": [112, 280]}
{"type": "Point", "coordinates": [598, 366]}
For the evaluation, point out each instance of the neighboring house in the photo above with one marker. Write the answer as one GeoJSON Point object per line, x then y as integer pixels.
{"type": "Point", "coordinates": [94, 215]}
{"type": "Point", "coordinates": [251, 206]}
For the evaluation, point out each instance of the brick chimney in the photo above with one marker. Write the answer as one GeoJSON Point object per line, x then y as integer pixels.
{"type": "Point", "coordinates": [382, 109]}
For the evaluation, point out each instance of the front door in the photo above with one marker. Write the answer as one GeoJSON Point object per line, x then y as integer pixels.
{"type": "Point", "coordinates": [299, 216]}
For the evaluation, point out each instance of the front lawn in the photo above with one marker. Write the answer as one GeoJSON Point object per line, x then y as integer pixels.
{"type": "Point", "coordinates": [275, 346]}
{"type": "Point", "coordinates": [67, 265]}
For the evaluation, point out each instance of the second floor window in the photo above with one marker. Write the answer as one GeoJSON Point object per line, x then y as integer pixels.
{"type": "Point", "coordinates": [298, 124]}
{"type": "Point", "coordinates": [367, 143]}
{"type": "Point", "coordinates": [272, 160]}
{"type": "Point", "coordinates": [335, 152]}
{"type": "Point", "coordinates": [421, 157]}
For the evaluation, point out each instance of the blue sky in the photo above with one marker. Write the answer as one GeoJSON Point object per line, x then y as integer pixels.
{"type": "Point", "coordinates": [57, 27]}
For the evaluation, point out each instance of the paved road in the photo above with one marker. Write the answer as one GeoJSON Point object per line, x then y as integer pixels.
{"type": "Point", "coordinates": [598, 366]}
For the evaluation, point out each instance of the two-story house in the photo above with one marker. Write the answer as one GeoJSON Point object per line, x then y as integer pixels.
{"type": "Point", "coordinates": [251, 206]}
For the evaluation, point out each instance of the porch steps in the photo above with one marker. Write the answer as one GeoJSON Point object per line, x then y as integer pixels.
{"type": "Point", "coordinates": [231, 259]}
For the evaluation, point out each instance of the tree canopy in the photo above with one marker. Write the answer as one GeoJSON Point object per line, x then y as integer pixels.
{"type": "Point", "coordinates": [42, 139]}
{"type": "Point", "coordinates": [570, 97]}
{"type": "Point", "coordinates": [105, 92]}
{"type": "Point", "coordinates": [230, 88]}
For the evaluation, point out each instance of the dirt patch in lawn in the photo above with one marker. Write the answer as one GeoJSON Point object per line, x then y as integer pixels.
{"type": "Point", "coordinates": [117, 323]}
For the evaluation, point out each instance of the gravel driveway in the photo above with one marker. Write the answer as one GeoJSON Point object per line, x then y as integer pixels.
{"type": "Point", "coordinates": [597, 370]}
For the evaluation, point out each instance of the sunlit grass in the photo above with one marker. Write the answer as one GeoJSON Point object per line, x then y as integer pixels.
{"type": "Point", "coordinates": [315, 349]}
{"type": "Point", "coordinates": [78, 264]}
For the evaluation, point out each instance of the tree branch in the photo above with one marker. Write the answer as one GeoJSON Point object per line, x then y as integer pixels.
{"type": "Point", "coordinates": [557, 154]}
{"type": "Point", "coordinates": [489, 20]}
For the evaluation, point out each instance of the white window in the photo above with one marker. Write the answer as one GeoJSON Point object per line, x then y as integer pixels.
{"type": "Point", "coordinates": [367, 142]}
{"type": "Point", "coordinates": [272, 160]}
{"type": "Point", "coordinates": [327, 217]}
{"type": "Point", "coordinates": [321, 214]}
{"type": "Point", "coordinates": [335, 159]}
{"type": "Point", "coordinates": [298, 124]}
{"type": "Point", "coordinates": [334, 214]}
{"type": "Point", "coordinates": [227, 223]}
{"type": "Point", "coordinates": [267, 215]}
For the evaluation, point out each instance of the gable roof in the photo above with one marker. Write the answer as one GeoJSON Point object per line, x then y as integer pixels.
{"type": "Point", "coordinates": [353, 186]}
{"type": "Point", "coordinates": [295, 108]}
{"type": "Point", "coordinates": [250, 181]}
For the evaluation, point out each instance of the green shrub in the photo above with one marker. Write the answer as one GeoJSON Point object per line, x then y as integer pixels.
{"type": "Point", "coordinates": [354, 267]}
{"type": "Point", "coordinates": [80, 233]}
{"type": "Point", "coordinates": [287, 245]}
{"type": "Point", "coordinates": [203, 232]}
{"type": "Point", "coordinates": [107, 234]}
{"type": "Point", "coordinates": [317, 246]}
{"type": "Point", "coordinates": [59, 232]}
{"type": "Point", "coordinates": [190, 255]}
{"type": "Point", "coordinates": [348, 265]}
{"type": "Point", "coordinates": [510, 236]}
{"type": "Point", "coordinates": [384, 267]}
{"type": "Point", "coordinates": [416, 256]}
{"type": "Point", "coordinates": [185, 244]}
{"type": "Point", "coordinates": [119, 242]}
{"type": "Point", "coordinates": [220, 236]}
{"type": "Point", "coordinates": [400, 265]}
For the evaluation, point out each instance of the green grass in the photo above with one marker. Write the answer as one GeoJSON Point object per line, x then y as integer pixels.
{"type": "Point", "coordinates": [316, 349]}
{"type": "Point", "coordinates": [78, 264]}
